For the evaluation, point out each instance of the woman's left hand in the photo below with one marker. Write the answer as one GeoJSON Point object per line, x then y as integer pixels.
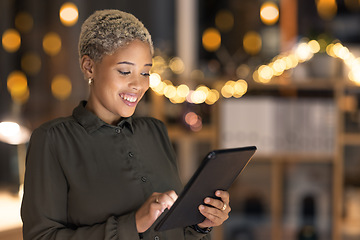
{"type": "Point", "coordinates": [217, 212]}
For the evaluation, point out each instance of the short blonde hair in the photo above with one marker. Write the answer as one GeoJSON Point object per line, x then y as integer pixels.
{"type": "Point", "coordinates": [106, 30]}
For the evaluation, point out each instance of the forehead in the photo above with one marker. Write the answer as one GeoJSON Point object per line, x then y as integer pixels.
{"type": "Point", "coordinates": [135, 51]}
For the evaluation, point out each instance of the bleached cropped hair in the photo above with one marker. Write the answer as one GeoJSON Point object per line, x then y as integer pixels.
{"type": "Point", "coordinates": [105, 31]}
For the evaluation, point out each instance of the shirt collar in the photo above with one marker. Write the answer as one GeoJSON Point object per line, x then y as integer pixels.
{"type": "Point", "coordinates": [91, 122]}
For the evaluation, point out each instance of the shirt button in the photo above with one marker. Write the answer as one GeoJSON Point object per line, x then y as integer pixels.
{"type": "Point", "coordinates": [131, 154]}
{"type": "Point", "coordinates": [156, 238]}
{"type": "Point", "coordinates": [117, 130]}
{"type": "Point", "coordinates": [144, 179]}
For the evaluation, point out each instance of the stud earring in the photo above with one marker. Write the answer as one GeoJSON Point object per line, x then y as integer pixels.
{"type": "Point", "coordinates": [90, 81]}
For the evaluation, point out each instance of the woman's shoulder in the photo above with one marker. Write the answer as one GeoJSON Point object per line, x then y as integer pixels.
{"type": "Point", "coordinates": [55, 124]}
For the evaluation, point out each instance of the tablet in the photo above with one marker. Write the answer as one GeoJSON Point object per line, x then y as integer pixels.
{"type": "Point", "coordinates": [217, 171]}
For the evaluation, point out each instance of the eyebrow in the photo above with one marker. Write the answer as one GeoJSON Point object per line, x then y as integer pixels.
{"type": "Point", "coordinates": [130, 63]}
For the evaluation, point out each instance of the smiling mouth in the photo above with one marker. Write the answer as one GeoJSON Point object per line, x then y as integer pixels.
{"type": "Point", "coordinates": [129, 98]}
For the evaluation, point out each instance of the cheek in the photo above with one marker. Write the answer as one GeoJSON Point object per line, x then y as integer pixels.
{"type": "Point", "coordinates": [146, 85]}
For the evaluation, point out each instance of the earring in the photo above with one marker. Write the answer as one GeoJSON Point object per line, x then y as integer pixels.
{"type": "Point", "coordinates": [90, 81]}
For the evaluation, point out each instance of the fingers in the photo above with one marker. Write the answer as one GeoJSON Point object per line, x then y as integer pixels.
{"type": "Point", "coordinates": [147, 214]}
{"type": "Point", "coordinates": [166, 200]}
{"type": "Point", "coordinates": [216, 211]}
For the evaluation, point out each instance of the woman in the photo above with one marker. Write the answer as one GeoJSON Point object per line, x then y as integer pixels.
{"type": "Point", "coordinates": [101, 174]}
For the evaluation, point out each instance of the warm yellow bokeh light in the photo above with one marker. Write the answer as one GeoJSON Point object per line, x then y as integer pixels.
{"type": "Point", "coordinates": [198, 97]}
{"type": "Point", "coordinates": [265, 73]}
{"type": "Point", "coordinates": [314, 46]}
{"type": "Point", "coordinates": [159, 89]}
{"type": "Point", "coordinates": [183, 90]}
{"type": "Point", "coordinates": [177, 65]}
{"type": "Point", "coordinates": [252, 43]}
{"type": "Point", "coordinates": [327, 9]}
{"type": "Point", "coordinates": [159, 64]}
{"type": "Point", "coordinates": [211, 39]}
{"type": "Point", "coordinates": [24, 22]}
{"type": "Point", "coordinates": [303, 52]}
{"type": "Point", "coordinates": [11, 40]}
{"type": "Point", "coordinates": [240, 88]}
{"type": "Point", "coordinates": [269, 13]}
{"type": "Point", "coordinates": [31, 63]}
{"type": "Point", "coordinates": [52, 43]}
{"type": "Point", "coordinates": [212, 97]}
{"type": "Point", "coordinates": [177, 99]}
{"type": "Point", "coordinates": [61, 87]}
{"type": "Point", "coordinates": [155, 79]}
{"type": "Point", "coordinates": [18, 86]}
{"type": "Point", "coordinates": [224, 20]}
{"type": "Point", "coordinates": [227, 91]}
{"type": "Point", "coordinates": [69, 14]}
{"type": "Point", "coordinates": [170, 91]}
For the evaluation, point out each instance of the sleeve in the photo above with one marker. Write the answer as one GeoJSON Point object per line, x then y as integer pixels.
{"type": "Point", "coordinates": [191, 234]}
{"type": "Point", "coordinates": [44, 205]}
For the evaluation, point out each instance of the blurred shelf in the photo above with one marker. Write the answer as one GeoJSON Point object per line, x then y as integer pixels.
{"type": "Point", "coordinates": [352, 139]}
{"type": "Point", "coordinates": [206, 133]}
{"type": "Point", "coordinates": [294, 157]}
{"type": "Point", "coordinates": [308, 84]}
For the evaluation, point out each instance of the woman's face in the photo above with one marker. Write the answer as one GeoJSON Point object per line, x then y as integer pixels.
{"type": "Point", "coordinates": [120, 80]}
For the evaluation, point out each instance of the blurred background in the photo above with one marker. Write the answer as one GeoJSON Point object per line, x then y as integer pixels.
{"type": "Point", "coordinates": [283, 75]}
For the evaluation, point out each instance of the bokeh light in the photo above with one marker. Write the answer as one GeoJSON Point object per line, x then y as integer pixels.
{"type": "Point", "coordinates": [31, 63]}
{"type": "Point", "coordinates": [252, 43]}
{"type": "Point", "coordinates": [269, 13]}
{"type": "Point", "coordinates": [69, 14]}
{"type": "Point", "coordinates": [211, 39]}
{"type": "Point", "coordinates": [183, 90]}
{"type": "Point", "coordinates": [155, 80]}
{"type": "Point", "coordinates": [314, 46]}
{"type": "Point", "coordinates": [212, 97]}
{"type": "Point", "coordinates": [159, 65]}
{"type": "Point", "coordinates": [52, 43]}
{"type": "Point", "coordinates": [24, 22]}
{"type": "Point", "coordinates": [327, 9]}
{"type": "Point", "coordinates": [18, 86]}
{"type": "Point", "coordinates": [303, 52]}
{"type": "Point", "coordinates": [177, 65]}
{"type": "Point", "coordinates": [224, 20]}
{"type": "Point", "coordinates": [61, 87]}
{"type": "Point", "coordinates": [194, 121]}
{"type": "Point", "coordinates": [11, 40]}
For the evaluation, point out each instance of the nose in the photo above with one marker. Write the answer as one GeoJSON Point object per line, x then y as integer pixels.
{"type": "Point", "coordinates": [135, 83]}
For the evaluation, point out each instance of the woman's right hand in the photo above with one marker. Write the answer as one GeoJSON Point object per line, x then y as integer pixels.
{"type": "Point", "coordinates": [147, 214]}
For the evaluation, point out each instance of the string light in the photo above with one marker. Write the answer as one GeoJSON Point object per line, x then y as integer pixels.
{"type": "Point", "coordinates": [304, 52]}
{"type": "Point", "coordinates": [263, 74]}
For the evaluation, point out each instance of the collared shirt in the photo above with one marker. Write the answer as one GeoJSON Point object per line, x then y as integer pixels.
{"type": "Point", "coordinates": [85, 179]}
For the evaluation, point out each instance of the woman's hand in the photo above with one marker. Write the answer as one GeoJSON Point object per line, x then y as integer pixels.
{"type": "Point", "coordinates": [217, 212]}
{"type": "Point", "coordinates": [147, 214]}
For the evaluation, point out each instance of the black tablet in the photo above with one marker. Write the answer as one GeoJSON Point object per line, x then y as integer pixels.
{"type": "Point", "coordinates": [217, 171]}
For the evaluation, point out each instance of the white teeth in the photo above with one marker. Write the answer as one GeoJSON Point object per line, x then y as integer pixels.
{"type": "Point", "coordinates": [129, 98]}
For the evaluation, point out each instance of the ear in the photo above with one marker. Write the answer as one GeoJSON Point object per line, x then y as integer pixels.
{"type": "Point", "coordinates": [87, 66]}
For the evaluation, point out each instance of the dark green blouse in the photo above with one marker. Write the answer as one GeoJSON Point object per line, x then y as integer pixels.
{"type": "Point", "coordinates": [85, 179]}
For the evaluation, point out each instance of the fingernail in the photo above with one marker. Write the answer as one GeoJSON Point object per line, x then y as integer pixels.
{"type": "Point", "coordinates": [207, 200]}
{"type": "Point", "coordinates": [202, 207]}
{"type": "Point", "coordinates": [217, 193]}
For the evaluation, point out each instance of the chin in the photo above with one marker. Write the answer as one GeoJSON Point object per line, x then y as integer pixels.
{"type": "Point", "coordinates": [127, 114]}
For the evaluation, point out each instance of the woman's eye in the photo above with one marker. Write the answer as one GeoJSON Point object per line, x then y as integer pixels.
{"type": "Point", "coordinates": [145, 74]}
{"type": "Point", "coordinates": [124, 72]}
